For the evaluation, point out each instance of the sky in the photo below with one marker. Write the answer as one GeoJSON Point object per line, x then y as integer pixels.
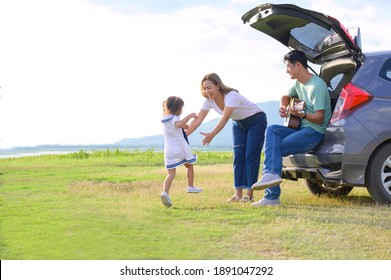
{"type": "Point", "coordinates": [77, 72]}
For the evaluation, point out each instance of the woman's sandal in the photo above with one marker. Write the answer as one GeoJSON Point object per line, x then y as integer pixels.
{"type": "Point", "coordinates": [247, 198]}
{"type": "Point", "coordinates": [234, 198]}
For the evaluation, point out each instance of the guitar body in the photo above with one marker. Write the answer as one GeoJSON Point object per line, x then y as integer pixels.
{"type": "Point", "coordinates": [291, 120]}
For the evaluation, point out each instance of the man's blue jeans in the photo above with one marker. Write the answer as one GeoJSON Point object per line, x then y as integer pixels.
{"type": "Point", "coordinates": [282, 141]}
{"type": "Point", "coordinates": [248, 139]}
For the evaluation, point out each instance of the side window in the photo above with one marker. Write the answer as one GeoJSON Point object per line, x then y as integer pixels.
{"type": "Point", "coordinates": [335, 80]}
{"type": "Point", "coordinates": [385, 71]}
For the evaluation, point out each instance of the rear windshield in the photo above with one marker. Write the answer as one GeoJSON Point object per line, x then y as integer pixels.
{"type": "Point", "coordinates": [315, 37]}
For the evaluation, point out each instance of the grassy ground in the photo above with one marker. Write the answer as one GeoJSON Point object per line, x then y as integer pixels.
{"type": "Point", "coordinates": [106, 206]}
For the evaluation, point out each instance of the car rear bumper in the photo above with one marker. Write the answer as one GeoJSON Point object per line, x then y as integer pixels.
{"type": "Point", "coordinates": [310, 166]}
{"type": "Point", "coordinates": [330, 171]}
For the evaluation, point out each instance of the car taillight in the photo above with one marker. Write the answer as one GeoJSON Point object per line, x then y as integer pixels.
{"type": "Point", "coordinates": [351, 98]}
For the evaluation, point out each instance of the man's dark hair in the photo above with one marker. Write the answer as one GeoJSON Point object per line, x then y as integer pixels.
{"type": "Point", "coordinates": [296, 56]}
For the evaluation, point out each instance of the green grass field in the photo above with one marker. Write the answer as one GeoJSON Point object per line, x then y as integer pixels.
{"type": "Point", "coordinates": [106, 205]}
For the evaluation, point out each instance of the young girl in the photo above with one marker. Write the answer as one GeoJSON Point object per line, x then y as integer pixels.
{"type": "Point", "coordinates": [176, 146]}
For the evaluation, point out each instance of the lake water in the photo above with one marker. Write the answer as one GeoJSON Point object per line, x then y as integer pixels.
{"type": "Point", "coordinates": [32, 154]}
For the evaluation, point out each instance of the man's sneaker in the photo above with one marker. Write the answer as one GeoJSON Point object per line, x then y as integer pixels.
{"type": "Point", "coordinates": [166, 199]}
{"type": "Point", "coordinates": [267, 202]}
{"type": "Point", "coordinates": [268, 180]}
{"type": "Point", "coordinates": [193, 190]}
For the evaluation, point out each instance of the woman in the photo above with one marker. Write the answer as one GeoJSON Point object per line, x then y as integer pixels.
{"type": "Point", "coordinates": [249, 124]}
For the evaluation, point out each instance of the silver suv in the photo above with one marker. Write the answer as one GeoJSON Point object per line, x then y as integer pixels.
{"type": "Point", "coordinates": [356, 150]}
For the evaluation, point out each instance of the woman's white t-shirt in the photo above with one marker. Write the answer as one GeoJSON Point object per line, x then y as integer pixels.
{"type": "Point", "coordinates": [243, 108]}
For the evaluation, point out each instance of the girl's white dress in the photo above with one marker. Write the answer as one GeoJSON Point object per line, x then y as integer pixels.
{"type": "Point", "coordinates": [176, 149]}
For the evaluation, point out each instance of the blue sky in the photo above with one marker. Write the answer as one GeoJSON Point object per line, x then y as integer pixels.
{"type": "Point", "coordinates": [96, 71]}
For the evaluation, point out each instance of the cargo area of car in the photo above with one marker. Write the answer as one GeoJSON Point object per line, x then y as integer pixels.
{"type": "Point", "coordinates": [337, 73]}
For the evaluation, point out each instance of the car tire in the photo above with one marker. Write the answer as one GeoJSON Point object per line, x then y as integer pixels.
{"type": "Point", "coordinates": [378, 175]}
{"type": "Point", "coordinates": [318, 187]}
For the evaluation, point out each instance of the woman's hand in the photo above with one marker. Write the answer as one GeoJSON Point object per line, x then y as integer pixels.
{"type": "Point", "coordinates": [208, 137]}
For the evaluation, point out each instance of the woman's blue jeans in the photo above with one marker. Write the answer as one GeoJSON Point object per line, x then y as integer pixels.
{"type": "Point", "coordinates": [282, 141]}
{"type": "Point", "coordinates": [248, 138]}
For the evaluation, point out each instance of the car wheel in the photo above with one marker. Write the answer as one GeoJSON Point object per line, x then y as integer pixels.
{"type": "Point", "coordinates": [378, 175]}
{"type": "Point", "coordinates": [318, 187]}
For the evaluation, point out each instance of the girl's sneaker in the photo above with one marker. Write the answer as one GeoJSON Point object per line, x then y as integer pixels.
{"type": "Point", "coordinates": [193, 190]}
{"type": "Point", "coordinates": [166, 199]}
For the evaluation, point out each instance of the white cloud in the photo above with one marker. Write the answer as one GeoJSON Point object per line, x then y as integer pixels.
{"type": "Point", "coordinates": [73, 72]}
{"type": "Point", "coordinates": [78, 73]}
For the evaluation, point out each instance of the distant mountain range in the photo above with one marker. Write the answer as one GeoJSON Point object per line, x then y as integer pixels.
{"type": "Point", "coordinates": [222, 141]}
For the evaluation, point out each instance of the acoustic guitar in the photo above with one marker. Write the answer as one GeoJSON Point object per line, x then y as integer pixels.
{"type": "Point", "coordinates": [291, 120]}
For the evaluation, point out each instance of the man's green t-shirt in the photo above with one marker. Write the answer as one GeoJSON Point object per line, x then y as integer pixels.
{"type": "Point", "coordinates": [316, 97]}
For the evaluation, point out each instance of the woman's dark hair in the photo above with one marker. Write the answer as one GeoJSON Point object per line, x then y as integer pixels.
{"type": "Point", "coordinates": [296, 56]}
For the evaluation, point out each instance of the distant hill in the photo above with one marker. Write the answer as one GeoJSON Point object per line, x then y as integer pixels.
{"type": "Point", "coordinates": [222, 141]}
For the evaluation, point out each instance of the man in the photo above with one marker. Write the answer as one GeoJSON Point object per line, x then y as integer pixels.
{"type": "Point", "coordinates": [281, 140]}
